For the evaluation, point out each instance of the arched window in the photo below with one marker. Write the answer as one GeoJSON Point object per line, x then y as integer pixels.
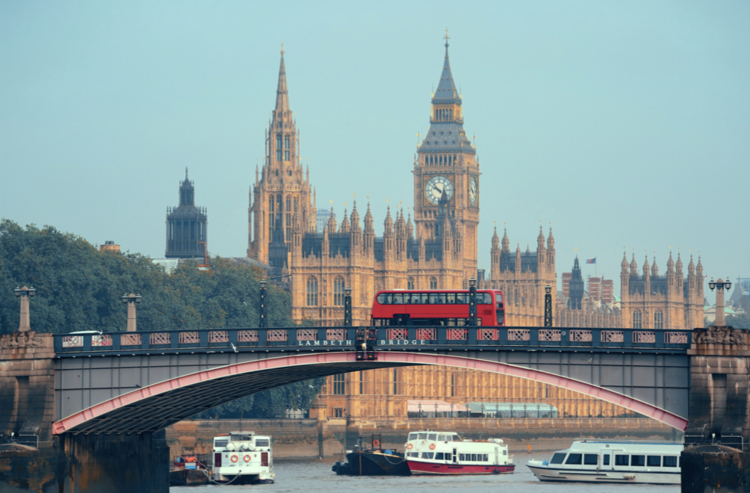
{"type": "Point", "coordinates": [433, 283]}
{"type": "Point", "coordinates": [271, 215]}
{"type": "Point", "coordinates": [637, 324]}
{"type": "Point", "coordinates": [410, 283]}
{"type": "Point", "coordinates": [278, 147]}
{"type": "Point", "coordinates": [312, 291]}
{"type": "Point", "coordinates": [658, 319]}
{"type": "Point", "coordinates": [338, 291]}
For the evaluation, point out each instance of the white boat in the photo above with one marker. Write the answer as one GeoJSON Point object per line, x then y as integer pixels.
{"type": "Point", "coordinates": [446, 453]}
{"type": "Point", "coordinates": [242, 457]}
{"type": "Point", "coordinates": [596, 461]}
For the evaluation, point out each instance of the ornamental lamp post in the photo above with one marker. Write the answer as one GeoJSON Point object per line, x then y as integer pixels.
{"type": "Point", "coordinates": [548, 306]}
{"type": "Point", "coordinates": [347, 307]}
{"type": "Point", "coordinates": [263, 306]}
{"type": "Point", "coordinates": [24, 293]}
{"type": "Point", "coordinates": [132, 300]}
{"type": "Point", "coordinates": [720, 286]}
{"type": "Point", "coordinates": [472, 302]}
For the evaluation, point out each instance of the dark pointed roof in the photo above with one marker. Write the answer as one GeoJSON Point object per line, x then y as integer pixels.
{"type": "Point", "coordinates": [282, 94]}
{"type": "Point", "coordinates": [446, 91]}
{"type": "Point", "coordinates": [446, 136]}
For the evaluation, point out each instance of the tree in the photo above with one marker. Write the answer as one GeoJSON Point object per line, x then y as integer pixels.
{"type": "Point", "coordinates": [79, 288]}
{"type": "Point", "coordinates": [741, 321]}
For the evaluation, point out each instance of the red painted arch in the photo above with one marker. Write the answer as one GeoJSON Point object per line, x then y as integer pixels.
{"type": "Point", "coordinates": [110, 405]}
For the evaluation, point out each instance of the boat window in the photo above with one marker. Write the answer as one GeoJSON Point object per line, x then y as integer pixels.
{"type": "Point", "coordinates": [427, 455]}
{"type": "Point", "coordinates": [441, 438]}
{"type": "Point", "coordinates": [413, 454]}
{"type": "Point", "coordinates": [505, 452]}
{"type": "Point", "coordinates": [456, 438]}
{"type": "Point", "coordinates": [622, 460]}
{"type": "Point", "coordinates": [485, 458]}
{"type": "Point", "coordinates": [670, 461]}
{"type": "Point", "coordinates": [261, 443]}
{"type": "Point", "coordinates": [637, 460]}
{"type": "Point", "coordinates": [558, 458]}
{"type": "Point", "coordinates": [439, 456]}
{"type": "Point", "coordinates": [461, 457]}
{"type": "Point", "coordinates": [574, 459]}
{"type": "Point", "coordinates": [590, 459]}
{"type": "Point", "coordinates": [423, 436]}
{"type": "Point", "coordinates": [220, 443]}
{"type": "Point", "coordinates": [605, 460]}
{"type": "Point", "coordinates": [412, 436]}
{"type": "Point", "coordinates": [432, 436]}
{"type": "Point", "coordinates": [474, 457]}
{"type": "Point", "coordinates": [654, 461]}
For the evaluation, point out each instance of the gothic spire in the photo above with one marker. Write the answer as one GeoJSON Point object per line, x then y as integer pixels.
{"type": "Point", "coordinates": [446, 91]}
{"type": "Point", "coordinates": [282, 95]}
{"type": "Point", "coordinates": [506, 241]}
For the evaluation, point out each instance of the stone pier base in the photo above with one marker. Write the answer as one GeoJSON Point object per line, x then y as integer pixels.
{"type": "Point", "coordinates": [715, 469]}
{"type": "Point", "coordinates": [89, 464]}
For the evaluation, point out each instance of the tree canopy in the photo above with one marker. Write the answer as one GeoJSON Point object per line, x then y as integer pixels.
{"type": "Point", "coordinates": [79, 287]}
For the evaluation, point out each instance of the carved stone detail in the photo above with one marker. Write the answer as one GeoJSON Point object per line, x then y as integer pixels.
{"type": "Point", "coordinates": [720, 335]}
{"type": "Point", "coordinates": [22, 340]}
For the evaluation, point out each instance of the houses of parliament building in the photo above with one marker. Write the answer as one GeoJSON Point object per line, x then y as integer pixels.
{"type": "Point", "coordinates": [435, 249]}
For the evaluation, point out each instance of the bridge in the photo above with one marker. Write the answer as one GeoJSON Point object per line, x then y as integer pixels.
{"type": "Point", "coordinates": [90, 391]}
{"type": "Point", "coordinates": [143, 382]}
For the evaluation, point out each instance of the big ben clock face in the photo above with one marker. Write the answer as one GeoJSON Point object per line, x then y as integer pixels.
{"type": "Point", "coordinates": [473, 190]}
{"type": "Point", "coordinates": [436, 187]}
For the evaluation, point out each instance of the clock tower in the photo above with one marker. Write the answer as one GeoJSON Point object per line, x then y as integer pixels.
{"type": "Point", "coordinates": [446, 172]}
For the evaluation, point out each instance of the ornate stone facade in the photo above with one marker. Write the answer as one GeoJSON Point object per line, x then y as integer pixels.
{"type": "Point", "coordinates": [522, 278]}
{"type": "Point", "coordinates": [438, 250]}
{"type": "Point", "coordinates": [651, 301]}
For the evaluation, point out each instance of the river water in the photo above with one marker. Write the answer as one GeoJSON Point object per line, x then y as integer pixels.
{"type": "Point", "coordinates": [315, 476]}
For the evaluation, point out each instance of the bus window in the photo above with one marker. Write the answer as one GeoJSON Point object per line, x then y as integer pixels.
{"type": "Point", "coordinates": [422, 298]}
{"type": "Point", "coordinates": [434, 300]}
{"type": "Point", "coordinates": [398, 298]}
{"type": "Point", "coordinates": [384, 298]}
{"type": "Point", "coordinates": [451, 298]}
{"type": "Point", "coordinates": [483, 299]}
{"type": "Point", "coordinates": [463, 298]}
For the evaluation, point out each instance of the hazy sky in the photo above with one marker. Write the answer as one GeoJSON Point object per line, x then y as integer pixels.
{"type": "Point", "coordinates": [624, 123]}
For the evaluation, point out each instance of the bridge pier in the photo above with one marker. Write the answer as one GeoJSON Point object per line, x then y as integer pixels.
{"type": "Point", "coordinates": [32, 459]}
{"type": "Point", "coordinates": [716, 454]}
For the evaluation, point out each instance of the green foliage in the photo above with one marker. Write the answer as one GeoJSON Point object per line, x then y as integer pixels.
{"type": "Point", "coordinates": [270, 403]}
{"type": "Point", "coordinates": [79, 288]}
{"type": "Point", "coordinates": [739, 321]}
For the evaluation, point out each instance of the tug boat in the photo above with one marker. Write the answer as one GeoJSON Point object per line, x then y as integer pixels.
{"type": "Point", "coordinates": [594, 461]}
{"type": "Point", "coordinates": [373, 461]}
{"type": "Point", "coordinates": [242, 457]}
{"type": "Point", "coordinates": [446, 453]}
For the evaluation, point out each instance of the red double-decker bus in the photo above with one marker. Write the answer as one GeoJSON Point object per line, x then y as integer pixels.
{"type": "Point", "coordinates": [448, 308]}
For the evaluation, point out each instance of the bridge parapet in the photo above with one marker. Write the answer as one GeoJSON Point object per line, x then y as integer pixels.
{"type": "Point", "coordinates": [387, 338]}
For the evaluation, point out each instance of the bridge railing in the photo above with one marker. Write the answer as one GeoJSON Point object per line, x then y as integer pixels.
{"type": "Point", "coordinates": [387, 338]}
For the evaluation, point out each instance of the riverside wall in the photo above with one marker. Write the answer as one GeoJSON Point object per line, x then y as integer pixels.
{"type": "Point", "coordinates": [298, 438]}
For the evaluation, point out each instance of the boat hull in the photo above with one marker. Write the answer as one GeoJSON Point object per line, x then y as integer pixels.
{"type": "Point", "coordinates": [372, 464]}
{"type": "Point", "coordinates": [545, 473]}
{"type": "Point", "coordinates": [430, 468]}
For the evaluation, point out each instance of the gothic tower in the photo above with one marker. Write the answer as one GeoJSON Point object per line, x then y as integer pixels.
{"type": "Point", "coordinates": [446, 173]}
{"type": "Point", "coordinates": [187, 225]}
{"type": "Point", "coordinates": [282, 190]}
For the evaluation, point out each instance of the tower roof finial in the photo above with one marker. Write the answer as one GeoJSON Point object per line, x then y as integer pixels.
{"type": "Point", "coordinates": [282, 48]}
{"type": "Point", "coordinates": [446, 38]}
